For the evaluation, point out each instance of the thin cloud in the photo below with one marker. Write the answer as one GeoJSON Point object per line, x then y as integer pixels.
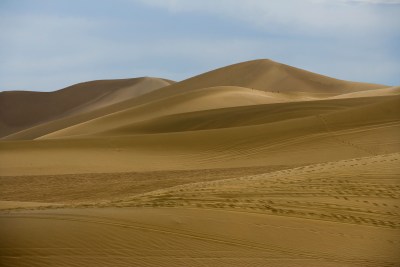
{"type": "Point", "coordinates": [311, 17]}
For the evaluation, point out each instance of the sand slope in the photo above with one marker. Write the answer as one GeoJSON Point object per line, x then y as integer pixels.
{"type": "Point", "coordinates": [317, 138]}
{"type": "Point", "coordinates": [22, 109]}
{"type": "Point", "coordinates": [257, 115]}
{"type": "Point", "coordinates": [194, 100]}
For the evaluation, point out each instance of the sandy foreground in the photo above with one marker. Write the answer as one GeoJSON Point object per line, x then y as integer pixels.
{"type": "Point", "coordinates": [343, 213]}
{"type": "Point", "coordinates": [254, 164]}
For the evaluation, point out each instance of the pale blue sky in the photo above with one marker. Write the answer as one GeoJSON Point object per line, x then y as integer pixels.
{"type": "Point", "coordinates": [49, 44]}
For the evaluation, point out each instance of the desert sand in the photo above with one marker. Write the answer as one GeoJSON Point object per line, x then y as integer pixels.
{"type": "Point", "coordinates": [253, 164]}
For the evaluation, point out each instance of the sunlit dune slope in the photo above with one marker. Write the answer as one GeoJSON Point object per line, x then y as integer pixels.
{"type": "Point", "coordinates": [23, 109]}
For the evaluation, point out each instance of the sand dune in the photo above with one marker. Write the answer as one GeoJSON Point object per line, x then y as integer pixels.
{"type": "Point", "coordinates": [23, 109]}
{"type": "Point", "coordinates": [253, 164]}
{"type": "Point", "coordinates": [263, 75]}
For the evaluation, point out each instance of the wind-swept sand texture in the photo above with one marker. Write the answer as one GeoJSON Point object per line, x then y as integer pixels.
{"type": "Point", "coordinates": [254, 164]}
{"type": "Point", "coordinates": [343, 213]}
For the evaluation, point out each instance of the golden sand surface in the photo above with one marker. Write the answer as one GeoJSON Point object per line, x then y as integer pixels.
{"type": "Point", "coordinates": [253, 164]}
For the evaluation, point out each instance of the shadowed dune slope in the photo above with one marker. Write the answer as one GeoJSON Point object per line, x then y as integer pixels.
{"type": "Point", "coordinates": [22, 109]}
{"type": "Point", "coordinates": [264, 75]}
